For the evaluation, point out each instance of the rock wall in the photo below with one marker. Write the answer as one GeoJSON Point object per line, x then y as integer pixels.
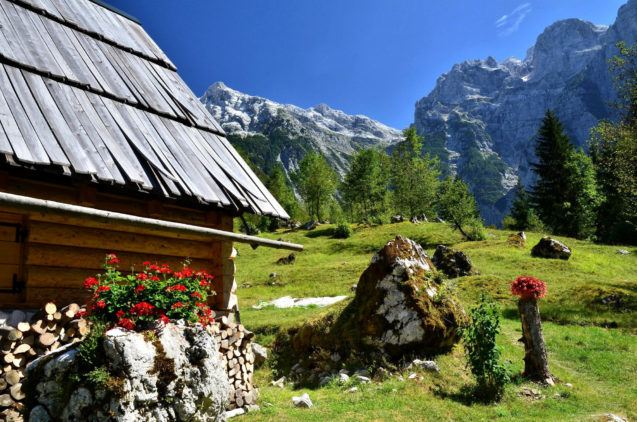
{"type": "Point", "coordinates": [50, 332]}
{"type": "Point", "coordinates": [176, 376]}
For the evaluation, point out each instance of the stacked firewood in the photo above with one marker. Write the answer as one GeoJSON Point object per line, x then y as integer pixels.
{"type": "Point", "coordinates": [48, 330]}
{"type": "Point", "coordinates": [235, 351]}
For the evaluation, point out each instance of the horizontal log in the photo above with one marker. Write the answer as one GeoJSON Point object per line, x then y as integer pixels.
{"type": "Point", "coordinates": [88, 258]}
{"type": "Point", "coordinates": [10, 251]}
{"type": "Point", "coordinates": [18, 203]}
{"type": "Point", "coordinates": [68, 235]}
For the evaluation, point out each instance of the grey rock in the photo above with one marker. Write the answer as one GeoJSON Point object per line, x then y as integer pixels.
{"type": "Point", "coordinates": [353, 288]}
{"type": "Point", "coordinates": [199, 390]}
{"type": "Point", "coordinates": [609, 417]}
{"type": "Point", "coordinates": [382, 373]}
{"type": "Point", "coordinates": [352, 390]}
{"type": "Point", "coordinates": [362, 379]}
{"type": "Point", "coordinates": [427, 365]}
{"type": "Point", "coordinates": [260, 354]}
{"type": "Point", "coordinates": [452, 262]}
{"type": "Point", "coordinates": [325, 380]}
{"type": "Point", "coordinates": [412, 376]}
{"type": "Point", "coordinates": [303, 401]}
{"type": "Point", "coordinates": [39, 414]}
{"type": "Point", "coordinates": [623, 252]}
{"type": "Point", "coordinates": [551, 248]}
{"type": "Point", "coordinates": [397, 218]}
{"type": "Point", "coordinates": [234, 412]}
{"type": "Point", "coordinates": [438, 220]}
{"type": "Point", "coordinates": [279, 383]}
{"type": "Point", "coordinates": [272, 275]}
{"type": "Point", "coordinates": [343, 378]}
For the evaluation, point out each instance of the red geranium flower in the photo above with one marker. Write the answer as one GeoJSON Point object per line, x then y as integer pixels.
{"type": "Point", "coordinates": [140, 288]}
{"type": "Point", "coordinates": [120, 314]}
{"type": "Point", "coordinates": [102, 289]}
{"type": "Point", "coordinates": [163, 318]}
{"type": "Point", "coordinates": [100, 304]}
{"type": "Point", "coordinates": [197, 295]}
{"type": "Point", "coordinates": [204, 283]}
{"type": "Point", "coordinates": [146, 263]}
{"type": "Point", "coordinates": [179, 287]}
{"type": "Point", "coordinates": [178, 305]}
{"type": "Point", "coordinates": [142, 309]}
{"type": "Point", "coordinates": [112, 259]}
{"type": "Point", "coordinates": [90, 282]}
{"type": "Point", "coordinates": [528, 287]}
{"type": "Point", "coordinates": [154, 278]}
{"type": "Point", "coordinates": [126, 323]}
{"type": "Point", "coordinates": [153, 267]}
{"type": "Point", "coordinates": [142, 276]}
{"type": "Point", "coordinates": [80, 314]}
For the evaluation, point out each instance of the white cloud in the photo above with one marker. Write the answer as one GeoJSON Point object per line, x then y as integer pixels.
{"type": "Point", "coordinates": [510, 23]}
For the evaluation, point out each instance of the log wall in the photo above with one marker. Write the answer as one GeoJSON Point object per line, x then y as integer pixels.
{"type": "Point", "coordinates": [58, 253]}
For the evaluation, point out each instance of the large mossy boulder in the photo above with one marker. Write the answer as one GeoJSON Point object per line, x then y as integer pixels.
{"type": "Point", "coordinates": [452, 262]}
{"type": "Point", "coordinates": [178, 375]}
{"type": "Point", "coordinates": [399, 310]}
{"type": "Point", "coordinates": [551, 248]}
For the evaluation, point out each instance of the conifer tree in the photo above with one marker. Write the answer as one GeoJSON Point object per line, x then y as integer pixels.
{"type": "Point", "coordinates": [553, 150]}
{"type": "Point", "coordinates": [521, 210]}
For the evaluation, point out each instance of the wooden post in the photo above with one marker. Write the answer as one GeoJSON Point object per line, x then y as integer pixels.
{"type": "Point", "coordinates": [536, 364]}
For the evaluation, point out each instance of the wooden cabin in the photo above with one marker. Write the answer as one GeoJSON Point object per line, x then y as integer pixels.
{"type": "Point", "coordinates": [103, 148]}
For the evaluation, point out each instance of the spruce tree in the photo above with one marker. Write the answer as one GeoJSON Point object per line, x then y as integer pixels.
{"type": "Point", "coordinates": [521, 209]}
{"type": "Point", "coordinates": [553, 150]}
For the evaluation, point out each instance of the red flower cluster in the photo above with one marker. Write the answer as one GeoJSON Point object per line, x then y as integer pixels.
{"type": "Point", "coordinates": [138, 300]}
{"type": "Point", "coordinates": [126, 323]}
{"type": "Point", "coordinates": [528, 287]}
{"type": "Point", "coordinates": [142, 309]}
{"type": "Point", "coordinates": [90, 282]}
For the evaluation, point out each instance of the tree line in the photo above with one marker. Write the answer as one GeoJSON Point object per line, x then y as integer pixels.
{"type": "Point", "coordinates": [578, 193]}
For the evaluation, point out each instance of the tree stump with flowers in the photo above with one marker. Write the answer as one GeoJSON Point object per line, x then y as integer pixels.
{"type": "Point", "coordinates": [536, 365]}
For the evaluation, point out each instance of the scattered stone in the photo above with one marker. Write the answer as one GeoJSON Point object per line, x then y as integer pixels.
{"type": "Point", "coordinates": [286, 260]}
{"type": "Point", "coordinates": [414, 220]}
{"type": "Point", "coordinates": [362, 379]}
{"type": "Point", "coordinates": [352, 390]}
{"type": "Point", "coordinates": [324, 381]}
{"type": "Point", "coordinates": [491, 235]}
{"type": "Point", "coordinates": [303, 401]}
{"type": "Point", "coordinates": [292, 224]}
{"type": "Point", "coordinates": [344, 371]}
{"type": "Point", "coordinates": [609, 417]}
{"type": "Point", "coordinates": [290, 302]}
{"type": "Point", "coordinates": [569, 385]}
{"type": "Point", "coordinates": [517, 239]}
{"type": "Point", "coordinates": [551, 248]}
{"type": "Point", "coordinates": [268, 404]}
{"type": "Point", "coordinates": [343, 378]}
{"type": "Point", "coordinates": [412, 376]}
{"type": "Point", "coordinates": [273, 275]}
{"type": "Point", "coordinates": [310, 225]}
{"type": "Point", "coordinates": [623, 252]}
{"type": "Point", "coordinates": [353, 288]}
{"type": "Point", "coordinates": [427, 365]}
{"type": "Point", "coordinates": [393, 390]}
{"type": "Point", "coordinates": [381, 373]}
{"type": "Point", "coordinates": [336, 357]}
{"type": "Point", "coordinates": [397, 218]}
{"type": "Point", "coordinates": [325, 222]}
{"type": "Point", "coordinates": [279, 383]}
{"type": "Point", "coordinates": [260, 354]}
{"type": "Point", "coordinates": [246, 285]}
{"type": "Point", "coordinates": [438, 220]}
{"type": "Point", "coordinates": [362, 372]}
{"type": "Point", "coordinates": [452, 262]}
{"type": "Point", "coordinates": [252, 408]}
{"type": "Point", "coordinates": [530, 393]}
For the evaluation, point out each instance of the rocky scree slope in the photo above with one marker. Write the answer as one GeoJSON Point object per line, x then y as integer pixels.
{"type": "Point", "coordinates": [272, 133]}
{"type": "Point", "coordinates": [482, 115]}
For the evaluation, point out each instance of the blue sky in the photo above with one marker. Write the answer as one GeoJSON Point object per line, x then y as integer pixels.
{"type": "Point", "coordinates": [372, 57]}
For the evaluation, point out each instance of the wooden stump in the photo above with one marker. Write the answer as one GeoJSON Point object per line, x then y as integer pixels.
{"type": "Point", "coordinates": [536, 364]}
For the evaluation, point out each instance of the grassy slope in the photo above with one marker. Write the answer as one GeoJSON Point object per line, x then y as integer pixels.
{"type": "Point", "coordinates": [599, 362]}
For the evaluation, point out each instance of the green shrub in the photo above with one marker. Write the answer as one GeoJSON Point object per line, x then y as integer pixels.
{"type": "Point", "coordinates": [342, 231]}
{"type": "Point", "coordinates": [476, 231]}
{"type": "Point", "coordinates": [483, 354]}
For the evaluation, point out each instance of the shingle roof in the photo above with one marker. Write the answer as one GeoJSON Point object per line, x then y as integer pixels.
{"type": "Point", "coordinates": [85, 91]}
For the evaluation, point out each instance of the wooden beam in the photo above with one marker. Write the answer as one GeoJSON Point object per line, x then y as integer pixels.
{"type": "Point", "coordinates": [25, 204]}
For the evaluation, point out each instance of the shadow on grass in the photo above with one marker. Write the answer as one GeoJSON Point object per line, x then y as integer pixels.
{"type": "Point", "coordinates": [329, 232]}
{"type": "Point", "coordinates": [469, 395]}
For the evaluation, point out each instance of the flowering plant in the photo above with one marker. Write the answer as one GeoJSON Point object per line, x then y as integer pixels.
{"type": "Point", "coordinates": [528, 287]}
{"type": "Point", "coordinates": [157, 293]}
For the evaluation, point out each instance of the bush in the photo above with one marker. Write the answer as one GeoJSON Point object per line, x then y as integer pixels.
{"type": "Point", "coordinates": [475, 231]}
{"type": "Point", "coordinates": [482, 352]}
{"type": "Point", "coordinates": [157, 293]}
{"type": "Point", "coordinates": [342, 231]}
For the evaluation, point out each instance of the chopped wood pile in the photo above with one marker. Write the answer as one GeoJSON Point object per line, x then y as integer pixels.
{"type": "Point", "coordinates": [235, 351]}
{"type": "Point", "coordinates": [47, 330]}
{"type": "Point", "coordinates": [51, 328]}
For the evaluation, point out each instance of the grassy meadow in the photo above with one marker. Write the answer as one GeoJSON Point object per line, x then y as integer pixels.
{"type": "Point", "coordinates": [591, 345]}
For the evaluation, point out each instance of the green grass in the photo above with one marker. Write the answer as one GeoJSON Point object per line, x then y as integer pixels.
{"type": "Point", "coordinates": [599, 362]}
